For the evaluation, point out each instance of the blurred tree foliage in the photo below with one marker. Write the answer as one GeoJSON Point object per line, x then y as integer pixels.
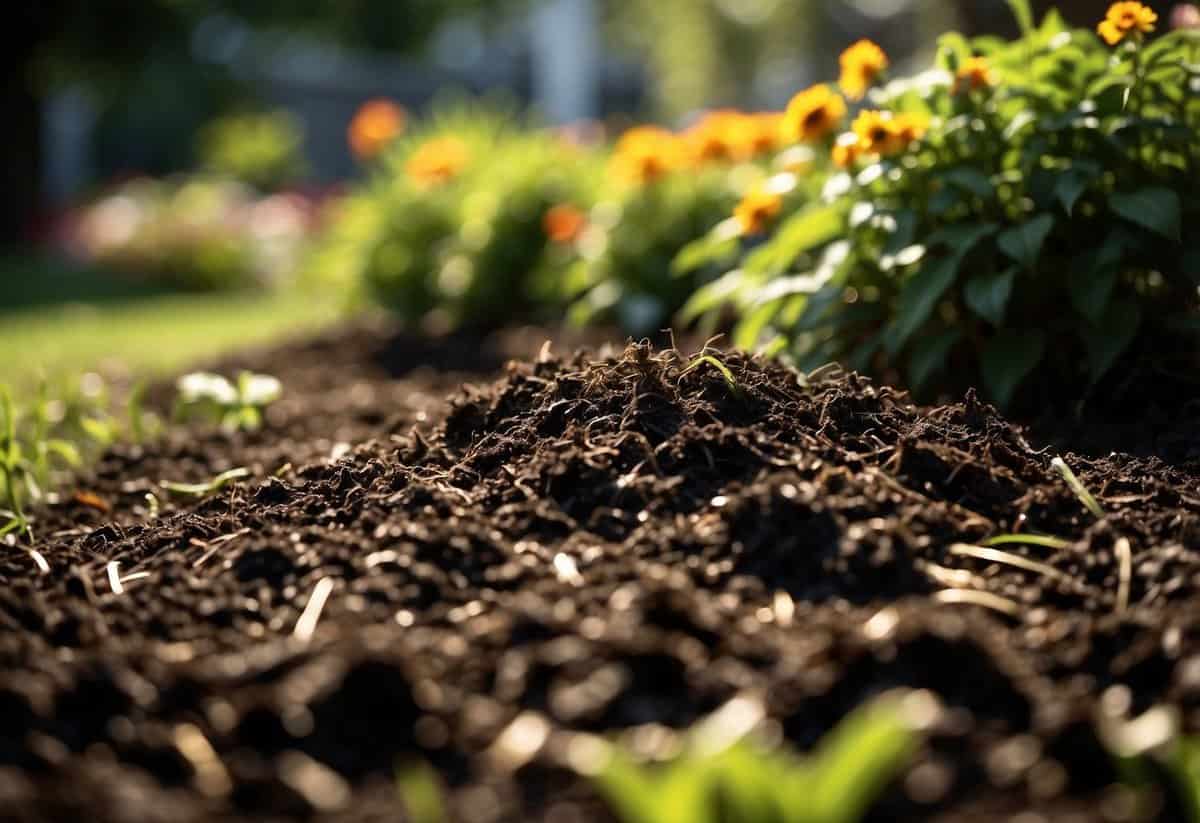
{"type": "Point", "coordinates": [114, 46]}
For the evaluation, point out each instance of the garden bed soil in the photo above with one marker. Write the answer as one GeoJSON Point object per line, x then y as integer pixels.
{"type": "Point", "coordinates": [575, 543]}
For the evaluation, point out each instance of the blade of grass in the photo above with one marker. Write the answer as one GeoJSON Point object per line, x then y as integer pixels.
{"type": "Point", "coordinates": [201, 489]}
{"type": "Point", "coordinates": [719, 366]}
{"type": "Point", "coordinates": [1028, 540]}
{"type": "Point", "coordinates": [1085, 496]}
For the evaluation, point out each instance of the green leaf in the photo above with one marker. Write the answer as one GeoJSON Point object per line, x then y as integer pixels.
{"type": "Point", "coordinates": [856, 761]}
{"type": "Point", "coordinates": [803, 232]}
{"type": "Point", "coordinates": [1023, 243]}
{"type": "Point", "coordinates": [919, 298]}
{"type": "Point", "coordinates": [987, 294]}
{"type": "Point", "coordinates": [711, 296]}
{"type": "Point", "coordinates": [66, 451]}
{"type": "Point", "coordinates": [1008, 358]}
{"type": "Point", "coordinates": [1090, 289]}
{"type": "Point", "coordinates": [971, 180]}
{"type": "Point", "coordinates": [1023, 12]}
{"type": "Point", "coordinates": [718, 246]}
{"type": "Point", "coordinates": [1108, 339]}
{"type": "Point", "coordinates": [1155, 208]}
{"type": "Point", "coordinates": [1070, 186]}
{"type": "Point", "coordinates": [929, 356]}
{"type": "Point", "coordinates": [960, 238]}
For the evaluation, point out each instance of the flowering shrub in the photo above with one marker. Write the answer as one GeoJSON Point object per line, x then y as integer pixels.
{"type": "Point", "coordinates": [453, 226]}
{"type": "Point", "coordinates": [264, 150]}
{"type": "Point", "coordinates": [196, 233]}
{"type": "Point", "coordinates": [1011, 218]}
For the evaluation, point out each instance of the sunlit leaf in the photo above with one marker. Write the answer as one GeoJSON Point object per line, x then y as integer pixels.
{"type": "Point", "coordinates": [1155, 208]}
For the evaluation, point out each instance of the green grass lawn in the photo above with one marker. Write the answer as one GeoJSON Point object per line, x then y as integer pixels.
{"type": "Point", "coordinates": [60, 319]}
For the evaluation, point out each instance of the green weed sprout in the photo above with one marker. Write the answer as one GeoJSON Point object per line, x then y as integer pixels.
{"type": "Point", "coordinates": [10, 465]}
{"type": "Point", "coordinates": [202, 489]}
{"type": "Point", "coordinates": [235, 405]}
{"type": "Point", "coordinates": [1076, 486]}
{"type": "Point", "coordinates": [723, 774]}
{"type": "Point", "coordinates": [716, 363]}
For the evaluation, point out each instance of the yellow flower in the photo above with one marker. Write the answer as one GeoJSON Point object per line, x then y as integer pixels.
{"type": "Point", "coordinates": [645, 154]}
{"type": "Point", "coordinates": [972, 75]}
{"type": "Point", "coordinates": [846, 151]}
{"type": "Point", "coordinates": [564, 223]}
{"type": "Point", "coordinates": [861, 64]}
{"type": "Point", "coordinates": [1124, 19]}
{"type": "Point", "coordinates": [878, 132]}
{"type": "Point", "coordinates": [812, 114]}
{"type": "Point", "coordinates": [375, 124]}
{"type": "Point", "coordinates": [757, 210]}
{"type": "Point", "coordinates": [437, 161]}
{"type": "Point", "coordinates": [910, 128]}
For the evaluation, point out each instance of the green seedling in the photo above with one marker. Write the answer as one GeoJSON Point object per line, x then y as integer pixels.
{"type": "Point", "coordinates": [234, 405]}
{"type": "Point", "coordinates": [1044, 540]}
{"type": "Point", "coordinates": [211, 487]}
{"type": "Point", "coordinates": [724, 774]}
{"type": "Point", "coordinates": [420, 793]}
{"type": "Point", "coordinates": [715, 362]}
{"type": "Point", "coordinates": [1085, 496]}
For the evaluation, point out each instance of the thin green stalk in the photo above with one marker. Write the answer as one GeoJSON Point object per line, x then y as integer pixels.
{"type": "Point", "coordinates": [1085, 496]}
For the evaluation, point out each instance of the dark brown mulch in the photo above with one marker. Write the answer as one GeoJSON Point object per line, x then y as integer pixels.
{"type": "Point", "coordinates": [599, 540]}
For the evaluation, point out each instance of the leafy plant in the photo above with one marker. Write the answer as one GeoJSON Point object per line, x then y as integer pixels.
{"type": "Point", "coordinates": [1012, 217]}
{"type": "Point", "coordinates": [722, 775]}
{"type": "Point", "coordinates": [235, 405]}
{"type": "Point", "coordinates": [262, 149]}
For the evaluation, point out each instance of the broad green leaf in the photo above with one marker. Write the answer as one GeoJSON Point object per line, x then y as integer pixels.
{"type": "Point", "coordinates": [1023, 243]}
{"type": "Point", "coordinates": [1023, 12]}
{"type": "Point", "coordinates": [929, 356]}
{"type": "Point", "coordinates": [919, 298]}
{"type": "Point", "coordinates": [718, 246]}
{"type": "Point", "coordinates": [803, 232]}
{"type": "Point", "coordinates": [971, 180]}
{"type": "Point", "coordinates": [1090, 289]}
{"type": "Point", "coordinates": [960, 238]}
{"type": "Point", "coordinates": [987, 294]}
{"type": "Point", "coordinates": [711, 296]}
{"type": "Point", "coordinates": [1108, 339]}
{"type": "Point", "coordinates": [1008, 358]}
{"type": "Point", "coordinates": [856, 761]}
{"type": "Point", "coordinates": [750, 327]}
{"type": "Point", "coordinates": [1070, 186]}
{"type": "Point", "coordinates": [1155, 208]}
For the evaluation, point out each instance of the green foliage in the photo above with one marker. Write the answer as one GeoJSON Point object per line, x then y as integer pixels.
{"type": "Point", "coordinates": [235, 405]}
{"type": "Point", "coordinates": [1025, 242]}
{"type": "Point", "coordinates": [264, 150]}
{"type": "Point", "coordinates": [722, 776]}
{"type": "Point", "coordinates": [470, 248]}
{"type": "Point", "coordinates": [623, 272]}
{"type": "Point", "coordinates": [197, 233]}
{"type": "Point", "coordinates": [59, 427]}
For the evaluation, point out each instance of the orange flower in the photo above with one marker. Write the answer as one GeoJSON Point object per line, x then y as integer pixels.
{"type": "Point", "coordinates": [645, 154]}
{"type": "Point", "coordinates": [758, 133]}
{"type": "Point", "coordinates": [376, 124]}
{"type": "Point", "coordinates": [1124, 19]}
{"type": "Point", "coordinates": [714, 138]}
{"type": "Point", "coordinates": [812, 114]}
{"type": "Point", "coordinates": [437, 161]}
{"type": "Point", "coordinates": [972, 75]}
{"type": "Point", "coordinates": [878, 132]}
{"type": "Point", "coordinates": [757, 210]}
{"type": "Point", "coordinates": [861, 64]}
{"type": "Point", "coordinates": [563, 223]}
{"type": "Point", "coordinates": [846, 151]}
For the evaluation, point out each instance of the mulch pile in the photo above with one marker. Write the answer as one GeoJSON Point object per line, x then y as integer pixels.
{"type": "Point", "coordinates": [592, 542]}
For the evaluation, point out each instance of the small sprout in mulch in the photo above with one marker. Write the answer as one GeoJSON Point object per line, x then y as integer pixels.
{"type": "Point", "coordinates": [203, 489]}
{"type": "Point", "coordinates": [1044, 540]}
{"type": "Point", "coordinates": [711, 360]}
{"type": "Point", "coordinates": [236, 406]}
{"type": "Point", "coordinates": [1085, 496]}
